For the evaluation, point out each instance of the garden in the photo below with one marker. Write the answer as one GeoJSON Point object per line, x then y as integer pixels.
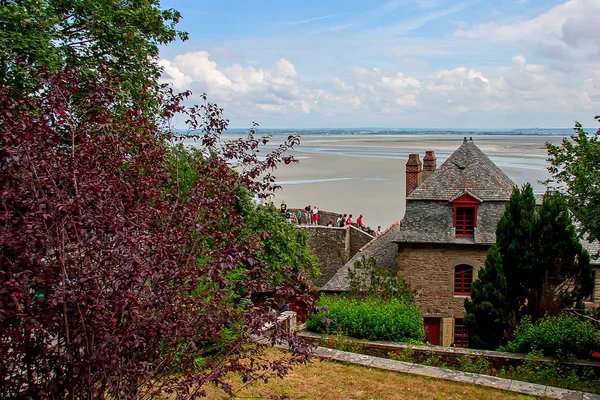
{"type": "Point", "coordinates": [386, 322]}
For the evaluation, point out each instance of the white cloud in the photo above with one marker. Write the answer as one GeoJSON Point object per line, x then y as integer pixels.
{"type": "Point", "coordinates": [386, 96]}
{"type": "Point", "coordinates": [563, 31]}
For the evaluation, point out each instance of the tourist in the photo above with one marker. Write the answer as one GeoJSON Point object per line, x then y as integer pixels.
{"type": "Point", "coordinates": [288, 216]}
{"type": "Point", "coordinates": [349, 220]}
{"type": "Point", "coordinates": [378, 232]}
{"type": "Point", "coordinates": [294, 219]}
{"type": "Point", "coordinates": [359, 222]}
{"type": "Point", "coordinates": [330, 223]}
{"type": "Point", "coordinates": [299, 216]}
{"type": "Point", "coordinates": [308, 214]}
{"type": "Point", "coordinates": [283, 208]}
{"type": "Point", "coordinates": [315, 213]}
{"type": "Point", "coordinates": [344, 220]}
{"type": "Point", "coordinates": [338, 221]}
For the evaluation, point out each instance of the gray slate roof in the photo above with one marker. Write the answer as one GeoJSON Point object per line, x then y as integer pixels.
{"type": "Point", "coordinates": [468, 169]}
{"type": "Point", "coordinates": [381, 248]}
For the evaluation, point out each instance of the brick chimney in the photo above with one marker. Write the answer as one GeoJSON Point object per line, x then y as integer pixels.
{"type": "Point", "coordinates": [414, 173]}
{"type": "Point", "coordinates": [429, 163]}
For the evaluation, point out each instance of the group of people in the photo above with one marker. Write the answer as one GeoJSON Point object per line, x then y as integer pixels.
{"type": "Point", "coordinates": [310, 216]}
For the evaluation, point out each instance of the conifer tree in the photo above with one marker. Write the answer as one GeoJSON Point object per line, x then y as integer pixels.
{"type": "Point", "coordinates": [515, 236]}
{"type": "Point", "coordinates": [562, 273]}
{"type": "Point", "coordinates": [537, 267]}
{"type": "Point", "coordinates": [485, 317]}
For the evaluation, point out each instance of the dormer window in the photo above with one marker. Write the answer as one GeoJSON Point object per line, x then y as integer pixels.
{"type": "Point", "coordinates": [465, 215]}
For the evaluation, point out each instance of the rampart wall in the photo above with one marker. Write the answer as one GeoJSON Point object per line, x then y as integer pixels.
{"type": "Point", "coordinates": [334, 247]}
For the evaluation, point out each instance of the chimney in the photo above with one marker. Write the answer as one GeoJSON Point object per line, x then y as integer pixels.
{"type": "Point", "coordinates": [414, 173]}
{"type": "Point", "coordinates": [429, 163]}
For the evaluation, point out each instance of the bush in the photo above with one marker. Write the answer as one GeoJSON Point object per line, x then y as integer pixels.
{"type": "Point", "coordinates": [563, 336]}
{"type": "Point", "coordinates": [373, 319]}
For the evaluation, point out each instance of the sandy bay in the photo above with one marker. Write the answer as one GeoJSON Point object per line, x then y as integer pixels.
{"type": "Point", "coordinates": [364, 174]}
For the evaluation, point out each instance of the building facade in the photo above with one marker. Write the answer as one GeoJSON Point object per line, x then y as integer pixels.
{"type": "Point", "coordinates": [442, 241]}
{"type": "Point", "coordinates": [450, 223]}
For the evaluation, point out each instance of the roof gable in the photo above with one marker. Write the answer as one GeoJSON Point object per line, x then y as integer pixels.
{"type": "Point", "coordinates": [467, 170]}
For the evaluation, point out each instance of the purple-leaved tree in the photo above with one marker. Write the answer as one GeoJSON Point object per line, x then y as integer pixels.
{"type": "Point", "coordinates": [119, 278]}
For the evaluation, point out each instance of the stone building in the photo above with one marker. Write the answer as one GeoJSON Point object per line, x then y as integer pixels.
{"type": "Point", "coordinates": [442, 241]}
{"type": "Point", "coordinates": [449, 225]}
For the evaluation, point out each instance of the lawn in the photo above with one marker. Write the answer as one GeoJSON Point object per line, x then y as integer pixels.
{"type": "Point", "coordinates": [324, 380]}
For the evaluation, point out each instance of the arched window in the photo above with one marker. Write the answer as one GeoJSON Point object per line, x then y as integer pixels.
{"type": "Point", "coordinates": [463, 276]}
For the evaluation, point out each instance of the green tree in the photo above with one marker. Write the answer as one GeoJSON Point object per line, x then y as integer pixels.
{"type": "Point", "coordinates": [575, 166]}
{"type": "Point", "coordinates": [515, 238]}
{"type": "Point", "coordinates": [537, 267]}
{"type": "Point", "coordinates": [486, 310]}
{"type": "Point", "coordinates": [371, 281]}
{"type": "Point", "coordinates": [284, 247]}
{"type": "Point", "coordinates": [123, 36]}
{"type": "Point", "coordinates": [562, 274]}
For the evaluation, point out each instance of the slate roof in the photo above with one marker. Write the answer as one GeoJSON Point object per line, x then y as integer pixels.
{"type": "Point", "coordinates": [381, 248]}
{"type": "Point", "coordinates": [468, 169]}
{"type": "Point", "coordinates": [594, 249]}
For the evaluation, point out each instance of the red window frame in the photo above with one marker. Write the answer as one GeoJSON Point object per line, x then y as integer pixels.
{"type": "Point", "coordinates": [461, 337]}
{"type": "Point", "coordinates": [465, 216]}
{"type": "Point", "coordinates": [463, 278]}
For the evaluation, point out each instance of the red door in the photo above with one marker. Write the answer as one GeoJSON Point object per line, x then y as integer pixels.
{"type": "Point", "coordinates": [432, 330]}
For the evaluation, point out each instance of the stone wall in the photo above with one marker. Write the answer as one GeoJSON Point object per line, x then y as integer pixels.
{"type": "Point", "coordinates": [331, 246]}
{"type": "Point", "coordinates": [324, 216]}
{"type": "Point", "coordinates": [381, 248]}
{"type": "Point", "coordinates": [358, 239]}
{"type": "Point", "coordinates": [429, 270]}
{"type": "Point", "coordinates": [451, 356]}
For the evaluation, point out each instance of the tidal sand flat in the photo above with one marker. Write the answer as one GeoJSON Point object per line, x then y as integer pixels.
{"type": "Point", "coordinates": [357, 174]}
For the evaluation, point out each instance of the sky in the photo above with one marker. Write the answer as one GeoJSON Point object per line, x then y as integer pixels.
{"type": "Point", "coordinates": [454, 64]}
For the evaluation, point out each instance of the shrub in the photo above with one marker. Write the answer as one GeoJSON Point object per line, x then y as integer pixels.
{"type": "Point", "coordinates": [563, 336]}
{"type": "Point", "coordinates": [373, 319]}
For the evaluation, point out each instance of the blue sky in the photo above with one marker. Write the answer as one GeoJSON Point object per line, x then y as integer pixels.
{"type": "Point", "coordinates": [397, 63]}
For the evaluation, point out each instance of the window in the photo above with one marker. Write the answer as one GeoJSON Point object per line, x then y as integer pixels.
{"type": "Point", "coordinates": [461, 338]}
{"type": "Point", "coordinates": [463, 276]}
{"type": "Point", "coordinates": [465, 222]}
{"type": "Point", "coordinates": [465, 216]}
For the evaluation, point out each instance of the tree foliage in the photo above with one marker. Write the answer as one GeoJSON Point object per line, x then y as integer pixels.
{"type": "Point", "coordinates": [282, 244]}
{"type": "Point", "coordinates": [486, 310]}
{"type": "Point", "coordinates": [371, 281]}
{"type": "Point", "coordinates": [562, 274]}
{"type": "Point", "coordinates": [563, 336]}
{"type": "Point", "coordinates": [537, 267]}
{"type": "Point", "coordinates": [515, 237]}
{"type": "Point", "coordinates": [124, 36]}
{"type": "Point", "coordinates": [118, 278]}
{"type": "Point", "coordinates": [575, 166]}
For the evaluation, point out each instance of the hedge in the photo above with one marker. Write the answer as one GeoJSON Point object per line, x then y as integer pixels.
{"type": "Point", "coordinates": [374, 319]}
{"type": "Point", "coordinates": [564, 336]}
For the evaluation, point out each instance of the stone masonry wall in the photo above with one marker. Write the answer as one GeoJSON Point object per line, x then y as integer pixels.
{"type": "Point", "coordinates": [429, 270]}
{"type": "Point", "coordinates": [358, 239]}
{"type": "Point", "coordinates": [381, 248]}
{"type": "Point", "coordinates": [324, 216]}
{"type": "Point", "coordinates": [330, 245]}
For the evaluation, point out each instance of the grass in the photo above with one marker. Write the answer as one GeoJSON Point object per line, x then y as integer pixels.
{"type": "Point", "coordinates": [326, 380]}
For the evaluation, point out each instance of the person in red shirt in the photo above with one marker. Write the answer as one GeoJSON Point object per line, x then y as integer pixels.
{"type": "Point", "coordinates": [359, 222]}
{"type": "Point", "coordinates": [349, 220]}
